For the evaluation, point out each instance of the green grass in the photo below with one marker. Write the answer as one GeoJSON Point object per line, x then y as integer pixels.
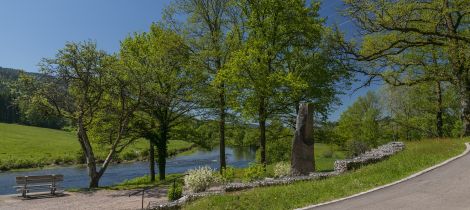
{"type": "Point", "coordinates": [325, 162]}
{"type": "Point", "coordinates": [30, 147]}
{"type": "Point", "coordinates": [417, 156]}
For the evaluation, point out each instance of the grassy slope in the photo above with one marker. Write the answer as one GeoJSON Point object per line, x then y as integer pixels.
{"type": "Point", "coordinates": [26, 146]}
{"type": "Point", "coordinates": [416, 156]}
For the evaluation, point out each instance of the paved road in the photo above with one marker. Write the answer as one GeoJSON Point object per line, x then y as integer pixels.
{"type": "Point", "coordinates": [446, 187]}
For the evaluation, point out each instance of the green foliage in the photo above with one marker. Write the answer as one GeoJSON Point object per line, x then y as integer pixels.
{"type": "Point", "coordinates": [362, 121]}
{"type": "Point", "coordinates": [413, 109]}
{"type": "Point", "coordinates": [226, 175]}
{"type": "Point", "coordinates": [417, 156]}
{"type": "Point", "coordinates": [408, 43]}
{"type": "Point", "coordinates": [254, 172]}
{"type": "Point", "coordinates": [175, 192]}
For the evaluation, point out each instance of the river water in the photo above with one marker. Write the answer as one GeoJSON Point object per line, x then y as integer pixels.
{"type": "Point", "coordinates": [76, 176]}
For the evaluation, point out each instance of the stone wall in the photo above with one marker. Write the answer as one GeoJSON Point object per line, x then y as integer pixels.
{"type": "Point", "coordinates": [341, 166]}
{"type": "Point", "coordinates": [368, 157]}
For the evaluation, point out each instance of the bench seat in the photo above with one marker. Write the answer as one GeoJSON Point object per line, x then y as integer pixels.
{"type": "Point", "coordinates": [49, 183]}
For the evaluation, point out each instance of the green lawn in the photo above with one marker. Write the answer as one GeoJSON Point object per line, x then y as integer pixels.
{"type": "Point", "coordinates": [28, 147]}
{"type": "Point", "coordinates": [417, 156]}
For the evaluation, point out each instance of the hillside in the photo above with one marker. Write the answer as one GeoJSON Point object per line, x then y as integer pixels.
{"type": "Point", "coordinates": [27, 147]}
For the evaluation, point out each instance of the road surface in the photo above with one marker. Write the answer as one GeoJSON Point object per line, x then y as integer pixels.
{"type": "Point", "coordinates": [446, 187]}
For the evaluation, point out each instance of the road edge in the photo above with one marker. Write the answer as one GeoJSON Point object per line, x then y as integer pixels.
{"type": "Point", "coordinates": [467, 150]}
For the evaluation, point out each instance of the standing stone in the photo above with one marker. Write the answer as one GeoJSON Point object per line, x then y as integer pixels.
{"type": "Point", "coordinates": [303, 161]}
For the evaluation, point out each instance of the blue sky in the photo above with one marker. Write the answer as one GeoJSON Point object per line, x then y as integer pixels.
{"type": "Point", "coordinates": [31, 30]}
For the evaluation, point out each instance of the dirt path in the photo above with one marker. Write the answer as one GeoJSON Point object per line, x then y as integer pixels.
{"type": "Point", "coordinates": [102, 199]}
{"type": "Point", "coordinates": [446, 187]}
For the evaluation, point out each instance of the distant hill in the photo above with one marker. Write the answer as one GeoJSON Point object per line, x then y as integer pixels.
{"type": "Point", "coordinates": [10, 74]}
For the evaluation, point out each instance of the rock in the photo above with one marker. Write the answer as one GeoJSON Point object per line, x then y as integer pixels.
{"type": "Point", "coordinates": [368, 157]}
{"type": "Point", "coordinates": [303, 161]}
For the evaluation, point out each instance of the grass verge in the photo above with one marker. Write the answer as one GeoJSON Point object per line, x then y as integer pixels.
{"type": "Point", "coordinates": [417, 156]}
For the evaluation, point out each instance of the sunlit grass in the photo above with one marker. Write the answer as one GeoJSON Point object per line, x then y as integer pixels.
{"type": "Point", "coordinates": [417, 156]}
{"type": "Point", "coordinates": [27, 147]}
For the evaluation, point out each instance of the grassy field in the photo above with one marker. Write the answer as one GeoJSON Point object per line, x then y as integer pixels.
{"type": "Point", "coordinates": [29, 147]}
{"type": "Point", "coordinates": [417, 156]}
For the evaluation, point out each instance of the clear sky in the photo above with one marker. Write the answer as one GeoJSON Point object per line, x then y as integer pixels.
{"type": "Point", "coordinates": [33, 29]}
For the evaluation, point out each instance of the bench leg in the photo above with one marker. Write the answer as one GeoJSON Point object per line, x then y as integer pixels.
{"type": "Point", "coordinates": [53, 190]}
{"type": "Point", "coordinates": [23, 193]}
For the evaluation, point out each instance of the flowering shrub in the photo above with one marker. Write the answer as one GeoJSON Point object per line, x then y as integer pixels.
{"type": "Point", "coordinates": [199, 179]}
{"type": "Point", "coordinates": [282, 169]}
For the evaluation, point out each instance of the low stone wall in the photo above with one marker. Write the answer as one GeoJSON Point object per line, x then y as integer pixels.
{"type": "Point", "coordinates": [368, 157]}
{"type": "Point", "coordinates": [341, 166]}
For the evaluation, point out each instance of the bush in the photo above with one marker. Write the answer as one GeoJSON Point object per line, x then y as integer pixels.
{"type": "Point", "coordinates": [282, 169]}
{"type": "Point", "coordinates": [228, 175]}
{"type": "Point", "coordinates": [199, 179]}
{"type": "Point", "coordinates": [254, 172]}
{"type": "Point", "coordinates": [356, 148]}
{"type": "Point", "coordinates": [175, 192]}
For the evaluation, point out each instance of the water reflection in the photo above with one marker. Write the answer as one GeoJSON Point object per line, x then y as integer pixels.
{"type": "Point", "coordinates": [76, 177]}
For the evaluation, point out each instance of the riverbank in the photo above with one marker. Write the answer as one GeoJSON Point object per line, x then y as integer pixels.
{"type": "Point", "coordinates": [27, 147]}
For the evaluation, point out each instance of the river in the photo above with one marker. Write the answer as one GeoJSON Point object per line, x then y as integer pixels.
{"type": "Point", "coordinates": [76, 176]}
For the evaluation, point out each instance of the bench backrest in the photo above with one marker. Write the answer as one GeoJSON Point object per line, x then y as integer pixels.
{"type": "Point", "coordinates": [20, 180]}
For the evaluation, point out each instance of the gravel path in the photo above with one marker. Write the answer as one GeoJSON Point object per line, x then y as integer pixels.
{"type": "Point", "coordinates": [446, 187]}
{"type": "Point", "coordinates": [102, 199]}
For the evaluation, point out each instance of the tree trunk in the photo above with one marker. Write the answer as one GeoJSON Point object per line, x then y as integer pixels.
{"type": "Point", "coordinates": [262, 130]}
{"type": "Point", "coordinates": [439, 121]}
{"type": "Point", "coordinates": [152, 161]}
{"type": "Point", "coordinates": [222, 128]}
{"type": "Point", "coordinates": [89, 156]}
{"type": "Point", "coordinates": [465, 107]}
{"type": "Point", "coordinates": [162, 151]}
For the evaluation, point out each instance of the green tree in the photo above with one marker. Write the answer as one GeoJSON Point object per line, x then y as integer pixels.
{"type": "Point", "coordinates": [257, 72]}
{"type": "Point", "coordinates": [170, 85]}
{"type": "Point", "coordinates": [394, 30]}
{"type": "Point", "coordinates": [361, 121]}
{"type": "Point", "coordinates": [87, 86]}
{"type": "Point", "coordinates": [210, 29]}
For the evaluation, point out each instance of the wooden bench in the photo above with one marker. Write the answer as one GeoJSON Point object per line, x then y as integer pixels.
{"type": "Point", "coordinates": [49, 183]}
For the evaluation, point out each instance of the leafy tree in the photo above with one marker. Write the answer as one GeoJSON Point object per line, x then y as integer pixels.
{"type": "Point", "coordinates": [395, 31]}
{"type": "Point", "coordinates": [87, 86]}
{"type": "Point", "coordinates": [423, 110]}
{"type": "Point", "coordinates": [361, 121]}
{"type": "Point", "coordinates": [211, 28]}
{"type": "Point", "coordinates": [170, 85]}
{"type": "Point", "coordinates": [257, 71]}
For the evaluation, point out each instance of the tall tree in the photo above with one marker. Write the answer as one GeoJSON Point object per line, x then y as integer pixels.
{"type": "Point", "coordinates": [392, 28]}
{"type": "Point", "coordinates": [171, 86]}
{"type": "Point", "coordinates": [210, 27]}
{"type": "Point", "coordinates": [258, 70]}
{"type": "Point", "coordinates": [88, 87]}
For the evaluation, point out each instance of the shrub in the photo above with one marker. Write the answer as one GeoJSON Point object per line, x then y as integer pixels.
{"type": "Point", "coordinates": [253, 172]}
{"type": "Point", "coordinates": [199, 179]}
{"type": "Point", "coordinates": [228, 175]}
{"type": "Point", "coordinates": [175, 192]}
{"type": "Point", "coordinates": [282, 169]}
{"type": "Point", "coordinates": [356, 148]}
